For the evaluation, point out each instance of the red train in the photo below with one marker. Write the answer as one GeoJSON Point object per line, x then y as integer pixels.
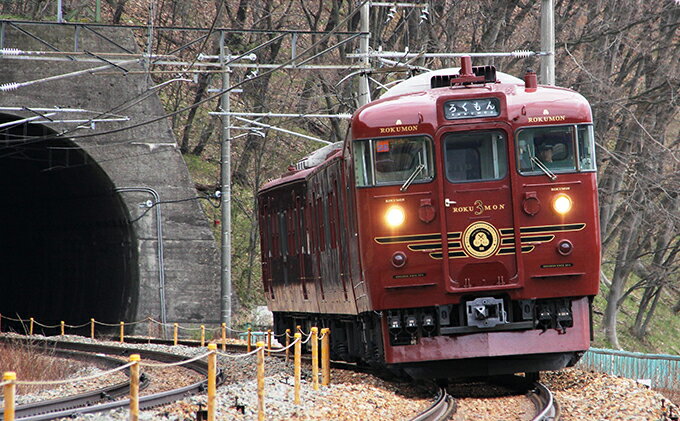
{"type": "Point", "coordinates": [454, 233]}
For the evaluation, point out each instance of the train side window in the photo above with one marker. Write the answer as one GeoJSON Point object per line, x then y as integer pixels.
{"type": "Point", "coordinates": [586, 147]}
{"type": "Point", "coordinates": [362, 163]}
{"type": "Point", "coordinates": [555, 147]}
{"type": "Point", "coordinates": [475, 156]}
{"type": "Point", "coordinates": [273, 221]}
{"type": "Point", "coordinates": [320, 227]}
{"type": "Point", "coordinates": [283, 234]}
{"type": "Point", "coordinates": [264, 223]}
{"type": "Point", "coordinates": [393, 160]}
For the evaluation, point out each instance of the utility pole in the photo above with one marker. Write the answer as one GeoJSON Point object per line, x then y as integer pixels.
{"type": "Point", "coordinates": [60, 14]}
{"type": "Point", "coordinates": [225, 198]}
{"type": "Point", "coordinates": [548, 42]}
{"type": "Point", "coordinates": [364, 92]}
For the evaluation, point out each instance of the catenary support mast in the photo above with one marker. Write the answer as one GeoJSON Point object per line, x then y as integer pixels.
{"type": "Point", "coordinates": [225, 198]}
{"type": "Point", "coordinates": [548, 42]}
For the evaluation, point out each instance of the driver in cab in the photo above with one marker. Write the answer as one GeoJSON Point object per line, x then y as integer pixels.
{"type": "Point", "coordinates": [545, 154]}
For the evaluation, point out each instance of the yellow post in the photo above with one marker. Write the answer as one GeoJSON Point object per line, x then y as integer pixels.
{"type": "Point", "coordinates": [212, 380]}
{"type": "Point", "coordinates": [62, 328]}
{"type": "Point", "coordinates": [9, 393]}
{"type": "Point", "coordinates": [287, 343]}
{"type": "Point", "coordinates": [92, 328]}
{"type": "Point", "coordinates": [269, 342]}
{"type": "Point", "coordinates": [175, 334]}
{"type": "Point", "coordinates": [325, 357]}
{"type": "Point", "coordinates": [31, 330]}
{"type": "Point", "coordinates": [202, 336]}
{"type": "Point", "coordinates": [134, 387]}
{"type": "Point", "coordinates": [297, 358]}
{"type": "Point", "coordinates": [224, 337]}
{"type": "Point", "coordinates": [260, 381]}
{"type": "Point", "coordinates": [122, 331]}
{"type": "Point", "coordinates": [315, 358]}
{"type": "Point", "coordinates": [250, 333]}
{"type": "Point", "coordinates": [298, 328]}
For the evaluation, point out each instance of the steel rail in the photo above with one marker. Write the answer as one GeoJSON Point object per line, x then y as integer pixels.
{"type": "Point", "coordinates": [145, 402]}
{"type": "Point", "coordinates": [546, 406]}
{"type": "Point", "coordinates": [442, 408]}
{"type": "Point", "coordinates": [82, 399]}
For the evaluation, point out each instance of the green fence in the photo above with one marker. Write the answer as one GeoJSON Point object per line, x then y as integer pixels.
{"type": "Point", "coordinates": [662, 370]}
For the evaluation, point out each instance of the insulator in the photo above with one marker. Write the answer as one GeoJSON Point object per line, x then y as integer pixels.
{"type": "Point", "coordinates": [11, 51]}
{"type": "Point", "coordinates": [522, 53]}
{"type": "Point", "coordinates": [9, 86]}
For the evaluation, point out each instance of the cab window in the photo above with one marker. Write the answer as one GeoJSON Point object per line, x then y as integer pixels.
{"type": "Point", "coordinates": [393, 160]}
{"type": "Point", "coordinates": [475, 156]}
{"type": "Point", "coordinates": [559, 149]}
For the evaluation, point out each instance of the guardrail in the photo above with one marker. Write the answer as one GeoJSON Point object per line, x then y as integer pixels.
{"type": "Point", "coordinates": [10, 381]}
{"type": "Point", "coordinates": [661, 371]}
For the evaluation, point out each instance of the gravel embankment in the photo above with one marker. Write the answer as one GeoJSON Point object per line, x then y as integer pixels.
{"type": "Point", "coordinates": [596, 396]}
{"type": "Point", "coordinates": [357, 396]}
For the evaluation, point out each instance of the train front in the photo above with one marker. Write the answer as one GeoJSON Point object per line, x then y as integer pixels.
{"type": "Point", "coordinates": [478, 223]}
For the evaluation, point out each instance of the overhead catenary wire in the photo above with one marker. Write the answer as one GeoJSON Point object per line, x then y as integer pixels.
{"type": "Point", "coordinates": [143, 95]}
{"type": "Point", "coordinates": [322, 39]}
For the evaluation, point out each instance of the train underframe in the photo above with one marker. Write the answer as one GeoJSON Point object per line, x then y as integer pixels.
{"type": "Point", "coordinates": [484, 336]}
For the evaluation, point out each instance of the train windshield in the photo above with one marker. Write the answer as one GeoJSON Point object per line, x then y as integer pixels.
{"type": "Point", "coordinates": [559, 149]}
{"type": "Point", "coordinates": [393, 160]}
{"type": "Point", "coordinates": [475, 156]}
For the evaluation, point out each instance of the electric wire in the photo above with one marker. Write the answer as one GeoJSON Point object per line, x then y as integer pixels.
{"type": "Point", "coordinates": [326, 35]}
{"type": "Point", "coordinates": [144, 95]}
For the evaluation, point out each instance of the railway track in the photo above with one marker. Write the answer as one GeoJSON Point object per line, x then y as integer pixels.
{"type": "Point", "coordinates": [89, 402]}
{"type": "Point", "coordinates": [89, 398]}
{"type": "Point", "coordinates": [101, 400]}
{"type": "Point", "coordinates": [443, 407]}
{"type": "Point", "coordinates": [546, 406]}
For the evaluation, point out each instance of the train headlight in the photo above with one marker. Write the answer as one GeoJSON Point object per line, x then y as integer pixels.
{"type": "Point", "coordinates": [562, 204]}
{"type": "Point", "coordinates": [395, 216]}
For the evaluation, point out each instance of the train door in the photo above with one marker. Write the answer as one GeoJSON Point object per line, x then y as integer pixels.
{"type": "Point", "coordinates": [479, 244]}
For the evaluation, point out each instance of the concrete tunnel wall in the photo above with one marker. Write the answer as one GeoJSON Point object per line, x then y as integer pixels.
{"type": "Point", "coordinates": [83, 184]}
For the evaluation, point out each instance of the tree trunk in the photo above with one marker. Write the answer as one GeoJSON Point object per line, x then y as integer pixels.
{"type": "Point", "coordinates": [118, 9]}
{"type": "Point", "coordinates": [640, 331]}
{"type": "Point", "coordinates": [621, 272]}
{"type": "Point", "coordinates": [206, 134]}
{"type": "Point", "coordinates": [203, 83]}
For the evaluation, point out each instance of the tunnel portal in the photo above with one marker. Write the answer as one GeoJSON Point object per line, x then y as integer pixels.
{"type": "Point", "coordinates": [66, 245]}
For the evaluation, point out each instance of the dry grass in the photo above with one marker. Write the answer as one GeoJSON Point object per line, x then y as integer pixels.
{"type": "Point", "coordinates": [33, 364]}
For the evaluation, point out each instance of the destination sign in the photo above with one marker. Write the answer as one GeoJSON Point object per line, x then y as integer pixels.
{"type": "Point", "coordinates": [472, 108]}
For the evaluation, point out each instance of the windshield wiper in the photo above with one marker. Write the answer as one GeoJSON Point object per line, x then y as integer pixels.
{"type": "Point", "coordinates": [412, 177]}
{"type": "Point", "coordinates": [543, 168]}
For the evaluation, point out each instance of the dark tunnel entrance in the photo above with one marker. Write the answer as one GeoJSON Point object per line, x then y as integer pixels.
{"type": "Point", "coordinates": [67, 250]}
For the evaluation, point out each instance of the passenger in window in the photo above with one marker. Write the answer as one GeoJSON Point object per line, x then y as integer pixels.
{"type": "Point", "coordinates": [545, 153]}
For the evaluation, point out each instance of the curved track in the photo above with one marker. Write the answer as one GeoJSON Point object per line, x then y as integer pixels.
{"type": "Point", "coordinates": [546, 406]}
{"type": "Point", "coordinates": [38, 409]}
{"type": "Point", "coordinates": [442, 409]}
{"type": "Point", "coordinates": [83, 403]}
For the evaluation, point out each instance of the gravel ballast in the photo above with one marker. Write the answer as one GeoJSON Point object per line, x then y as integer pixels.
{"type": "Point", "coordinates": [358, 396]}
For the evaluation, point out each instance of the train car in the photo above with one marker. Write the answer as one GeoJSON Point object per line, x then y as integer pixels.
{"type": "Point", "coordinates": [454, 233]}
